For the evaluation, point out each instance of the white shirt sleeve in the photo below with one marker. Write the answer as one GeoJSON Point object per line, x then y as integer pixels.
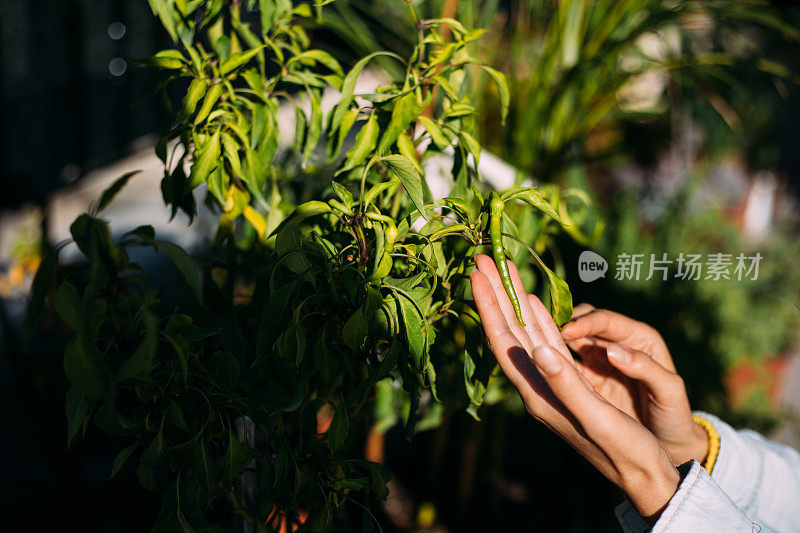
{"type": "Point", "coordinates": [755, 487]}
{"type": "Point", "coordinates": [698, 506]}
{"type": "Point", "coordinates": [760, 476]}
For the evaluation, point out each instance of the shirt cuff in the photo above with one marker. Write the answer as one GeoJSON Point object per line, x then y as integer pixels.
{"type": "Point", "coordinates": [739, 465]}
{"type": "Point", "coordinates": [698, 505]}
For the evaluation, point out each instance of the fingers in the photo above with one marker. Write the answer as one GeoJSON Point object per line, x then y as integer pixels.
{"type": "Point", "coordinates": [552, 335]}
{"type": "Point", "coordinates": [600, 323]}
{"type": "Point", "coordinates": [665, 386]}
{"type": "Point", "coordinates": [532, 334]}
{"type": "Point", "coordinates": [572, 390]}
{"type": "Point", "coordinates": [581, 309]}
{"type": "Point", "coordinates": [494, 323]}
{"type": "Point", "coordinates": [500, 338]}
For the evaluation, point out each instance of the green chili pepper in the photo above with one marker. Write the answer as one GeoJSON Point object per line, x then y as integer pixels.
{"type": "Point", "coordinates": [496, 236]}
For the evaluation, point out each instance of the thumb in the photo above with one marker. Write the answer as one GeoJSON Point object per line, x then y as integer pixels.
{"type": "Point", "coordinates": [666, 386]}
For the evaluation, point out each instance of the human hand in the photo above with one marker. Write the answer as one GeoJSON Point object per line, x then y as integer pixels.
{"type": "Point", "coordinates": [538, 363]}
{"type": "Point", "coordinates": [628, 364]}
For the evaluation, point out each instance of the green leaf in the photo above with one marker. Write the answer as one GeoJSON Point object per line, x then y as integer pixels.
{"type": "Point", "coordinates": [314, 127]}
{"type": "Point", "coordinates": [560, 295]}
{"type": "Point", "coordinates": [409, 177]}
{"type": "Point", "coordinates": [413, 329]}
{"type": "Point", "coordinates": [344, 128]}
{"type": "Point", "coordinates": [535, 199]}
{"type": "Point", "coordinates": [40, 288]}
{"type": "Point", "coordinates": [112, 191]}
{"type": "Point", "coordinates": [231, 148]}
{"type": "Point", "coordinates": [406, 148]}
{"type": "Point", "coordinates": [142, 358]}
{"type": "Point", "coordinates": [355, 330]}
{"type": "Point", "coordinates": [162, 10]}
{"type": "Point", "coordinates": [349, 86]}
{"type": "Point", "coordinates": [78, 414]}
{"type": "Point", "coordinates": [300, 122]}
{"type": "Point", "coordinates": [365, 144]}
{"type": "Point", "coordinates": [236, 458]}
{"type": "Point", "coordinates": [237, 60]}
{"type": "Point", "coordinates": [185, 265]}
{"type": "Point", "coordinates": [67, 303]}
{"type": "Point", "coordinates": [206, 469]}
{"type": "Point", "coordinates": [196, 91]}
{"type": "Point", "coordinates": [319, 56]}
{"type": "Point", "coordinates": [155, 450]}
{"type": "Point", "coordinates": [404, 112]}
{"type": "Point", "coordinates": [340, 425]}
{"type": "Point", "coordinates": [123, 456]}
{"type": "Point", "coordinates": [167, 59]}
{"type": "Point", "coordinates": [502, 90]}
{"type": "Point", "coordinates": [344, 195]}
{"type": "Point", "coordinates": [377, 189]}
{"type": "Point", "coordinates": [302, 212]}
{"type": "Point", "coordinates": [176, 418]}
{"type": "Point", "coordinates": [85, 367]}
{"type": "Point", "coordinates": [472, 145]}
{"type": "Point", "coordinates": [210, 100]}
{"type": "Point", "coordinates": [206, 162]}
{"type": "Point", "coordinates": [433, 129]}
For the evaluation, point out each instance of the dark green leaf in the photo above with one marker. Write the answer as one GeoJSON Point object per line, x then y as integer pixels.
{"type": "Point", "coordinates": [186, 266]}
{"type": "Point", "coordinates": [344, 195]}
{"type": "Point", "coordinates": [67, 303]}
{"type": "Point", "coordinates": [560, 296]}
{"type": "Point", "coordinates": [365, 143]}
{"type": "Point", "coordinates": [78, 414]}
{"type": "Point", "coordinates": [139, 363]}
{"type": "Point", "coordinates": [42, 283]}
{"type": "Point", "coordinates": [413, 329]}
{"type": "Point", "coordinates": [206, 469]}
{"type": "Point", "coordinates": [85, 366]}
{"type": "Point", "coordinates": [404, 112]}
{"type": "Point", "coordinates": [433, 129]}
{"type": "Point", "coordinates": [348, 88]}
{"type": "Point", "coordinates": [212, 95]}
{"type": "Point", "coordinates": [502, 90]}
{"type": "Point", "coordinates": [197, 89]}
{"type": "Point", "coordinates": [122, 456]}
{"type": "Point", "coordinates": [207, 160]}
{"type": "Point", "coordinates": [340, 425]}
{"type": "Point", "coordinates": [410, 178]}
{"type": "Point", "coordinates": [237, 60]}
{"type": "Point", "coordinates": [112, 191]}
{"type": "Point", "coordinates": [236, 458]}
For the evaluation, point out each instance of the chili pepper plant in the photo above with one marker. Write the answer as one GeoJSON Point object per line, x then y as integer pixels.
{"type": "Point", "coordinates": [334, 301]}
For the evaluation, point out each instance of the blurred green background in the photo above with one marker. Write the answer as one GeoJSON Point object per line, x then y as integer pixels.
{"type": "Point", "coordinates": [679, 122]}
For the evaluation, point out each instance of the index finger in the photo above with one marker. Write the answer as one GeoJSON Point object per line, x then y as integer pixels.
{"type": "Point", "coordinates": [601, 323]}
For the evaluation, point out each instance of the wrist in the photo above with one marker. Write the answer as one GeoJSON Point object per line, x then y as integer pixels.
{"type": "Point", "coordinates": [650, 492]}
{"type": "Point", "coordinates": [693, 445]}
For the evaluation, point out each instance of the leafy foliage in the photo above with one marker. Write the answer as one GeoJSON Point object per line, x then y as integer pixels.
{"type": "Point", "coordinates": [337, 282]}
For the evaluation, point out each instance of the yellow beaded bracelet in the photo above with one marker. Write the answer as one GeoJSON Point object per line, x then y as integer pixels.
{"type": "Point", "coordinates": [713, 442]}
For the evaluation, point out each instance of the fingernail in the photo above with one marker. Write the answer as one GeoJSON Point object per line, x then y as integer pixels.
{"type": "Point", "coordinates": [546, 360]}
{"type": "Point", "coordinates": [619, 354]}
